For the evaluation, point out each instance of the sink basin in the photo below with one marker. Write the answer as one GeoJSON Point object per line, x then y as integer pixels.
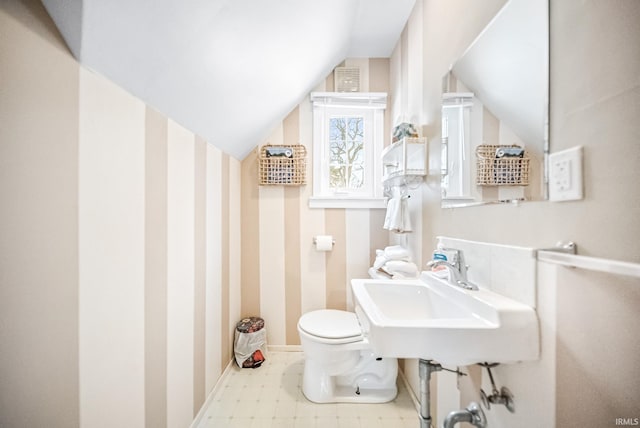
{"type": "Point", "coordinates": [430, 318]}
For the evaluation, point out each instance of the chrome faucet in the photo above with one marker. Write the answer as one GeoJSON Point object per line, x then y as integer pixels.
{"type": "Point", "coordinates": [457, 270]}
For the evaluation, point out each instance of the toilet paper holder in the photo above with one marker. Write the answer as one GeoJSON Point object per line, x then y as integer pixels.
{"type": "Point", "coordinates": [315, 241]}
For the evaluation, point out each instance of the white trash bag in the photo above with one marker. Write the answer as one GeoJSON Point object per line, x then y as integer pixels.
{"type": "Point", "coordinates": [250, 345]}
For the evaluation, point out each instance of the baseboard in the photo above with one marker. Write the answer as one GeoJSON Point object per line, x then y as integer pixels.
{"type": "Point", "coordinates": [284, 348]}
{"type": "Point", "coordinates": [413, 396]}
{"type": "Point", "coordinates": [198, 419]}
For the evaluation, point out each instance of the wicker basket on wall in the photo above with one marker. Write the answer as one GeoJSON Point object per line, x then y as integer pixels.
{"type": "Point", "coordinates": [283, 165]}
{"type": "Point", "coordinates": [492, 170]}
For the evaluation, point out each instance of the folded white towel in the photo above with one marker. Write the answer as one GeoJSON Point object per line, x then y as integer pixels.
{"type": "Point", "coordinates": [397, 252]}
{"type": "Point", "coordinates": [380, 261]}
{"type": "Point", "coordinates": [396, 275]}
{"type": "Point", "coordinates": [378, 274]}
{"type": "Point", "coordinates": [395, 261]}
{"type": "Point", "coordinates": [407, 269]}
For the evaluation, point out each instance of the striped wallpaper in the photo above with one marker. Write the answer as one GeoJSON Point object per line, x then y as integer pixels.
{"type": "Point", "coordinates": [120, 252]}
{"type": "Point", "coordinates": [39, 373]}
{"type": "Point", "coordinates": [155, 262]}
{"type": "Point", "coordinates": [129, 246]}
{"type": "Point", "coordinates": [283, 276]}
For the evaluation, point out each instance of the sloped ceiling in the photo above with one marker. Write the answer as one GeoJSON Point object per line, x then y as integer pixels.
{"type": "Point", "coordinates": [229, 70]}
{"type": "Point", "coordinates": [507, 68]}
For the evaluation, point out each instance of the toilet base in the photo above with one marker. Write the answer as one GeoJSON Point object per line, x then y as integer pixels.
{"type": "Point", "coordinates": [344, 394]}
{"type": "Point", "coordinates": [373, 380]}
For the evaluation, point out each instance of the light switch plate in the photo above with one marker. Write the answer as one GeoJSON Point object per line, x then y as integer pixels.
{"type": "Point", "coordinates": [565, 175]}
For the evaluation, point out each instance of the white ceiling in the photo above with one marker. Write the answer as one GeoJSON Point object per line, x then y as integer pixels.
{"type": "Point", "coordinates": [229, 70]}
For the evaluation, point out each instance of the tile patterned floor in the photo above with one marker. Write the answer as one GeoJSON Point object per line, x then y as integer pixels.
{"type": "Point", "coordinates": [271, 397]}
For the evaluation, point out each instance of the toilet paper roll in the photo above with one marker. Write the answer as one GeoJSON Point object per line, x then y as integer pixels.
{"type": "Point", "coordinates": [324, 242]}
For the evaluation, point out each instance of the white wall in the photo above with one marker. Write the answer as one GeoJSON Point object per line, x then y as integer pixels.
{"type": "Point", "coordinates": [594, 97]}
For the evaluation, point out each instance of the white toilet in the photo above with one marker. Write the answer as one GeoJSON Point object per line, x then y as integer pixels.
{"type": "Point", "coordinates": [339, 365]}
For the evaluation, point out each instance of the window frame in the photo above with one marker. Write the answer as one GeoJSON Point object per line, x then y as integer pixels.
{"type": "Point", "coordinates": [327, 105]}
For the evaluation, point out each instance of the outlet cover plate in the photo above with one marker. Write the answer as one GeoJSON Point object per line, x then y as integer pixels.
{"type": "Point", "coordinates": [565, 175]}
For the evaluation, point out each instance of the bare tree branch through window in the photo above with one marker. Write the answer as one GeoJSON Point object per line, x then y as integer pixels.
{"type": "Point", "coordinates": [346, 139]}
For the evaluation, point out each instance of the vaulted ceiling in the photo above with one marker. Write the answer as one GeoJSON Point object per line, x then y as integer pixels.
{"type": "Point", "coordinates": [229, 70]}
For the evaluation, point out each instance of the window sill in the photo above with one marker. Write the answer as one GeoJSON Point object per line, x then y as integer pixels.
{"type": "Point", "coordinates": [351, 202]}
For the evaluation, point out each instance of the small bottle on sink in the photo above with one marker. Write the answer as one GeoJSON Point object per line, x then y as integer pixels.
{"type": "Point", "coordinates": [442, 254]}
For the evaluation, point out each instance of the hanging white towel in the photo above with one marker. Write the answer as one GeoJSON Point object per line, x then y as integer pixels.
{"type": "Point", "coordinates": [397, 218]}
{"type": "Point", "coordinates": [391, 217]}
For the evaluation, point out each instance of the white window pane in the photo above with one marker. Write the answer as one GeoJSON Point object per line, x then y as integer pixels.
{"type": "Point", "coordinates": [346, 152]}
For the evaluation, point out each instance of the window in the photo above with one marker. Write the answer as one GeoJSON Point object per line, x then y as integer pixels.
{"type": "Point", "coordinates": [346, 153]}
{"type": "Point", "coordinates": [348, 131]}
{"type": "Point", "coordinates": [461, 126]}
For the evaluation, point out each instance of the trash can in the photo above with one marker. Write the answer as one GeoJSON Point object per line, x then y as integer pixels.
{"type": "Point", "coordinates": [250, 344]}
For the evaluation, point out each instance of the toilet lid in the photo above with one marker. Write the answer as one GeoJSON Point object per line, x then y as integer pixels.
{"type": "Point", "coordinates": [330, 324]}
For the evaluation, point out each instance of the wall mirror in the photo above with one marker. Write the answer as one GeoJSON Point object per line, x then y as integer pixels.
{"type": "Point", "coordinates": [495, 106]}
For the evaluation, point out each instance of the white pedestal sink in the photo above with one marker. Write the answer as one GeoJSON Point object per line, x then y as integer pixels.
{"type": "Point", "coordinates": [430, 318]}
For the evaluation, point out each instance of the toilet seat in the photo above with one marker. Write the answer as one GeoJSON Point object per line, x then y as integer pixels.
{"type": "Point", "coordinates": [331, 326]}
